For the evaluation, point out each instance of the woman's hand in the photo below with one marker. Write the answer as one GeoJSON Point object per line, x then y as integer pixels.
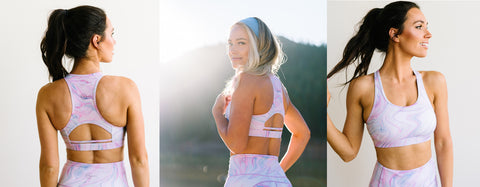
{"type": "Point", "coordinates": [221, 103]}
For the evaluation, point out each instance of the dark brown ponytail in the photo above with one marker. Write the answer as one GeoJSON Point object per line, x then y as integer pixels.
{"type": "Point", "coordinates": [372, 34]}
{"type": "Point", "coordinates": [69, 33]}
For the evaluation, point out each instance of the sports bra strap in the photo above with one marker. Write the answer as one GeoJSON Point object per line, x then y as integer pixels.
{"type": "Point", "coordinates": [273, 128]}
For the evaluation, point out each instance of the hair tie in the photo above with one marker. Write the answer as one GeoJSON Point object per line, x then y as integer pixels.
{"type": "Point", "coordinates": [252, 23]}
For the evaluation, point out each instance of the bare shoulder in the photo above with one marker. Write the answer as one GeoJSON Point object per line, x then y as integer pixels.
{"type": "Point", "coordinates": [433, 78]}
{"type": "Point", "coordinates": [362, 85]}
{"type": "Point", "coordinates": [44, 92]}
{"type": "Point", "coordinates": [122, 88]}
{"type": "Point", "coordinates": [118, 81]}
{"type": "Point", "coordinates": [52, 91]}
{"type": "Point", "coordinates": [250, 81]}
{"type": "Point", "coordinates": [248, 77]}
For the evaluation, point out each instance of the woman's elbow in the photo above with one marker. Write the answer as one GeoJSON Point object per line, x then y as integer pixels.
{"type": "Point", "coordinates": [303, 135]}
{"type": "Point", "coordinates": [140, 160]}
{"type": "Point", "coordinates": [307, 134]}
{"type": "Point", "coordinates": [444, 144]}
{"type": "Point", "coordinates": [48, 169]}
{"type": "Point", "coordinates": [348, 157]}
{"type": "Point", "coordinates": [238, 147]}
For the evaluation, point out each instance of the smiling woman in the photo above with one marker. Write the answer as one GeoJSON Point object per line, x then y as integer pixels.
{"type": "Point", "coordinates": [238, 46]}
{"type": "Point", "coordinates": [402, 108]}
{"type": "Point", "coordinates": [251, 111]}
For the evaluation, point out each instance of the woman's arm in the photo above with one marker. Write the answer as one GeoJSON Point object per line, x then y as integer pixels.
{"type": "Point", "coordinates": [137, 152]}
{"type": "Point", "coordinates": [347, 143]}
{"type": "Point", "coordinates": [49, 143]}
{"type": "Point", "coordinates": [300, 135]}
{"type": "Point", "coordinates": [442, 137]}
{"type": "Point", "coordinates": [234, 132]}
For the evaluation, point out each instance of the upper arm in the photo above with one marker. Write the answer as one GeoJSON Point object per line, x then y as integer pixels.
{"type": "Point", "coordinates": [135, 124]}
{"type": "Point", "coordinates": [241, 109]}
{"type": "Point", "coordinates": [293, 118]}
{"type": "Point", "coordinates": [46, 131]}
{"type": "Point", "coordinates": [354, 122]}
{"type": "Point", "coordinates": [436, 81]}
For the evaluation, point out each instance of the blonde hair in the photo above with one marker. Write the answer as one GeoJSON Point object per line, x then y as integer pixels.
{"type": "Point", "coordinates": [265, 55]}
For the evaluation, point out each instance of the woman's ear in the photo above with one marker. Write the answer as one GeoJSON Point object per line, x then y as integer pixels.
{"type": "Point", "coordinates": [96, 40]}
{"type": "Point", "coordinates": [393, 33]}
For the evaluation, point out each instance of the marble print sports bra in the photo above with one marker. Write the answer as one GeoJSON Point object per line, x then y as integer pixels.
{"type": "Point", "coordinates": [257, 124]}
{"type": "Point", "coordinates": [84, 111]}
{"type": "Point", "coordinates": [390, 125]}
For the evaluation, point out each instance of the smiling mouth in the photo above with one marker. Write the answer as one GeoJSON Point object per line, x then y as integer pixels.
{"type": "Point", "coordinates": [425, 44]}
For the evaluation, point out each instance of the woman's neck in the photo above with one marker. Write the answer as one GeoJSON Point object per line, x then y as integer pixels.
{"type": "Point", "coordinates": [85, 66]}
{"type": "Point", "coordinates": [396, 66]}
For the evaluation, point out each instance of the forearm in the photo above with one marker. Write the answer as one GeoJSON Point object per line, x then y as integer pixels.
{"type": "Point", "coordinates": [339, 142]}
{"type": "Point", "coordinates": [444, 152]}
{"type": "Point", "coordinates": [48, 175]}
{"type": "Point", "coordinates": [140, 172]}
{"type": "Point", "coordinates": [295, 149]}
{"type": "Point", "coordinates": [222, 125]}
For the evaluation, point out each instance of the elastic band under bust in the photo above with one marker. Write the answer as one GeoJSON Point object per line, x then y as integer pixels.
{"type": "Point", "coordinates": [252, 23]}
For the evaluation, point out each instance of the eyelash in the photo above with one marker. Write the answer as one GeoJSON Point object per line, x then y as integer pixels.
{"type": "Point", "coordinates": [241, 43]}
{"type": "Point", "coordinates": [421, 27]}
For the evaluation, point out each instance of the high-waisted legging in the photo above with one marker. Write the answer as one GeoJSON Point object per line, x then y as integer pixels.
{"type": "Point", "coordinates": [248, 170]}
{"type": "Point", "coordinates": [95, 175]}
{"type": "Point", "coordinates": [424, 176]}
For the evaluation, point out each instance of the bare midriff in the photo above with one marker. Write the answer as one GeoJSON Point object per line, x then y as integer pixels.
{"type": "Point", "coordinates": [100, 156]}
{"type": "Point", "coordinates": [262, 146]}
{"type": "Point", "coordinates": [405, 157]}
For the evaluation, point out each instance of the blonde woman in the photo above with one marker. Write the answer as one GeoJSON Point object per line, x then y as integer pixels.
{"type": "Point", "coordinates": [251, 111]}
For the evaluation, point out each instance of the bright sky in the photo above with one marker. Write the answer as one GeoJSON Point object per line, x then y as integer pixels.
{"type": "Point", "coordinates": [188, 24]}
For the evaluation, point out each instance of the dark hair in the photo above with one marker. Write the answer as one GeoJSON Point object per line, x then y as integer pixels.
{"type": "Point", "coordinates": [69, 33]}
{"type": "Point", "coordinates": [373, 34]}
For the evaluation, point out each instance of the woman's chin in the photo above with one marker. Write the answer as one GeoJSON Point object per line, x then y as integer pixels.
{"type": "Point", "coordinates": [421, 55]}
{"type": "Point", "coordinates": [106, 60]}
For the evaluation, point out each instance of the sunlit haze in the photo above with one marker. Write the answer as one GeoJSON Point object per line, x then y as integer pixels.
{"type": "Point", "coordinates": [186, 25]}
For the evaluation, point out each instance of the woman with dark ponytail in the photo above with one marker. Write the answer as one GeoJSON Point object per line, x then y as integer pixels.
{"type": "Point", "coordinates": [402, 108]}
{"type": "Point", "coordinates": [92, 111]}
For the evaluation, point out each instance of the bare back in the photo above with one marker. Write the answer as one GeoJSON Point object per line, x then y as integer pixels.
{"type": "Point", "coordinates": [263, 91]}
{"type": "Point", "coordinates": [112, 105]}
